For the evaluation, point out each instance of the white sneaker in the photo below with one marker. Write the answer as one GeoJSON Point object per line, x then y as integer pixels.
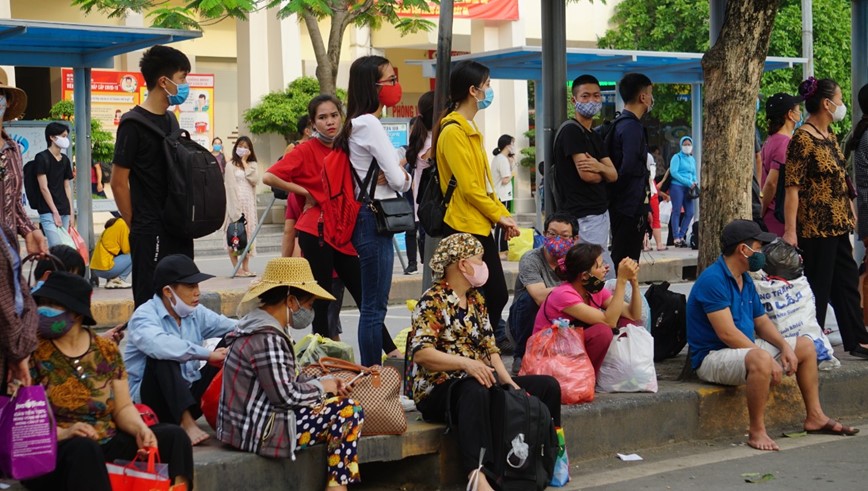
{"type": "Point", "coordinates": [116, 284]}
{"type": "Point", "coordinates": [123, 284]}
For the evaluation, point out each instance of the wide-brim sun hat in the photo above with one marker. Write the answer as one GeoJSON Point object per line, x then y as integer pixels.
{"type": "Point", "coordinates": [293, 272]}
{"type": "Point", "coordinates": [69, 291]}
{"type": "Point", "coordinates": [16, 101]}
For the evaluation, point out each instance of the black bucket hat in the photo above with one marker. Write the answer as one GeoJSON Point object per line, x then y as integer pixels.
{"type": "Point", "coordinates": [70, 291]}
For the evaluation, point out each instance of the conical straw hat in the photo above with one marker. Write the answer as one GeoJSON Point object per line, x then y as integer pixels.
{"type": "Point", "coordinates": [286, 271]}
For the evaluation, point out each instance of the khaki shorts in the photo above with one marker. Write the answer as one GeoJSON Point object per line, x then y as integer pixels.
{"type": "Point", "coordinates": [726, 366]}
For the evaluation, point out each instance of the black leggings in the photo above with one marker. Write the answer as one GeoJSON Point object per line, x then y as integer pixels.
{"type": "Point", "coordinates": [323, 260]}
{"type": "Point", "coordinates": [81, 461]}
{"type": "Point", "coordinates": [165, 391]}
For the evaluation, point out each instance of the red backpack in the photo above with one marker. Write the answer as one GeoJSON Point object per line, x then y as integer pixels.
{"type": "Point", "coordinates": [339, 201]}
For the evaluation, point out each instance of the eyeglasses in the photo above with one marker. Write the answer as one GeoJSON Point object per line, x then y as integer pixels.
{"type": "Point", "coordinates": [552, 235]}
{"type": "Point", "coordinates": [390, 81]}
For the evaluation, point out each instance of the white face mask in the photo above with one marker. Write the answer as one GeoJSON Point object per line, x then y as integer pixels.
{"type": "Point", "coordinates": [687, 149]}
{"type": "Point", "coordinates": [839, 113]}
{"type": "Point", "coordinates": [242, 152]}
{"type": "Point", "coordinates": [62, 142]}
{"type": "Point", "coordinates": [182, 309]}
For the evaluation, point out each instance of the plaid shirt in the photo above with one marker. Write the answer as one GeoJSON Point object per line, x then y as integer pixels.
{"type": "Point", "coordinates": [12, 212]}
{"type": "Point", "coordinates": [260, 389]}
{"type": "Point", "coordinates": [17, 332]}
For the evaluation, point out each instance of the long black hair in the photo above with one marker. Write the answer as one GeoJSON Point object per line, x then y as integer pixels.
{"type": "Point", "coordinates": [421, 127]}
{"type": "Point", "coordinates": [465, 74]}
{"type": "Point", "coordinates": [862, 125]}
{"type": "Point", "coordinates": [250, 158]}
{"type": "Point", "coordinates": [815, 91]}
{"type": "Point", "coordinates": [363, 94]}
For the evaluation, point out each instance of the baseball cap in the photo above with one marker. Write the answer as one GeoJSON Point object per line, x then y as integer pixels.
{"type": "Point", "coordinates": [781, 103]}
{"type": "Point", "coordinates": [177, 268]}
{"type": "Point", "coordinates": [738, 231]}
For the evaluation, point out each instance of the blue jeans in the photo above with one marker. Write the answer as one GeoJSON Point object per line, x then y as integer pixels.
{"type": "Point", "coordinates": [522, 315]}
{"type": "Point", "coordinates": [122, 268]}
{"type": "Point", "coordinates": [376, 261]}
{"type": "Point", "coordinates": [50, 229]}
{"type": "Point", "coordinates": [678, 195]}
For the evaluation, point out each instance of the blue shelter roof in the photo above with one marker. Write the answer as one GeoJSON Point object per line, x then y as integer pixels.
{"type": "Point", "coordinates": [525, 63]}
{"type": "Point", "coordinates": [60, 44]}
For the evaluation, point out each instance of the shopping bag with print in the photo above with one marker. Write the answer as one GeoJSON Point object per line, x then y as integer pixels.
{"type": "Point", "coordinates": [28, 437]}
{"type": "Point", "coordinates": [140, 475]}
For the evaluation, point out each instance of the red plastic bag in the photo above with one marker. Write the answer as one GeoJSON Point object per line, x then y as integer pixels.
{"type": "Point", "coordinates": [560, 352]}
{"type": "Point", "coordinates": [146, 477]}
{"type": "Point", "coordinates": [211, 399]}
{"type": "Point", "coordinates": [80, 245]}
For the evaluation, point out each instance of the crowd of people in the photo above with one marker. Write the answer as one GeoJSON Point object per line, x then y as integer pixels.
{"type": "Point", "coordinates": [606, 187]}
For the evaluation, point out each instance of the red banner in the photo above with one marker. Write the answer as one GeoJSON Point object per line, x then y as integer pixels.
{"type": "Point", "coordinates": [473, 9]}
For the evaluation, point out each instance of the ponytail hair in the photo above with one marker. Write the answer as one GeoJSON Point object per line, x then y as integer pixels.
{"type": "Point", "coordinates": [502, 142]}
{"type": "Point", "coordinates": [580, 258]}
{"type": "Point", "coordinates": [421, 127]}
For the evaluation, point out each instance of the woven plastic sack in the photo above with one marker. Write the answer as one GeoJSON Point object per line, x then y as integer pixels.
{"type": "Point", "coordinates": [312, 347]}
{"type": "Point", "coordinates": [559, 351]}
{"type": "Point", "coordinates": [629, 363]}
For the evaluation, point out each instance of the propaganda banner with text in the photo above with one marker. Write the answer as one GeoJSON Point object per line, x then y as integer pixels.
{"type": "Point", "coordinates": [474, 9]}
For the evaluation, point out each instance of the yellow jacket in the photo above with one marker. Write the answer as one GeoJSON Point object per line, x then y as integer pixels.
{"type": "Point", "coordinates": [473, 208]}
{"type": "Point", "coordinates": [114, 240]}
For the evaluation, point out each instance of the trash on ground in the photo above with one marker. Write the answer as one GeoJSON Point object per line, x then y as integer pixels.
{"type": "Point", "coordinates": [631, 457]}
{"type": "Point", "coordinates": [757, 477]}
{"type": "Point", "coordinates": [796, 434]}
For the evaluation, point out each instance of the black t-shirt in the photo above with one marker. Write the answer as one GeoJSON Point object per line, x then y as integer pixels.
{"type": "Point", "coordinates": [57, 172]}
{"type": "Point", "coordinates": [140, 150]}
{"type": "Point", "coordinates": [577, 197]}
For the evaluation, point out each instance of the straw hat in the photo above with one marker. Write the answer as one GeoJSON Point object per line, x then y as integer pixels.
{"type": "Point", "coordinates": [16, 101]}
{"type": "Point", "coordinates": [286, 271]}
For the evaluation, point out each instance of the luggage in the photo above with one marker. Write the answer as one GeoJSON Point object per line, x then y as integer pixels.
{"type": "Point", "coordinates": [668, 320]}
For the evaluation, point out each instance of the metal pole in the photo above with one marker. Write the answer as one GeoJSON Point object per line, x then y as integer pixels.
{"type": "Point", "coordinates": [539, 137]}
{"type": "Point", "coordinates": [554, 76]}
{"type": "Point", "coordinates": [808, 37]}
{"type": "Point", "coordinates": [251, 239]}
{"type": "Point", "coordinates": [81, 94]}
{"type": "Point", "coordinates": [696, 132]}
{"type": "Point", "coordinates": [717, 11]}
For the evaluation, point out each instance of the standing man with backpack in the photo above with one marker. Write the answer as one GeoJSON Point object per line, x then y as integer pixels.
{"type": "Point", "coordinates": [628, 144]}
{"type": "Point", "coordinates": [139, 173]}
{"type": "Point", "coordinates": [583, 167]}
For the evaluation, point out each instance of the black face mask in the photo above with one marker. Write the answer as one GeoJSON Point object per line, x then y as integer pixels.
{"type": "Point", "coordinates": [593, 284]}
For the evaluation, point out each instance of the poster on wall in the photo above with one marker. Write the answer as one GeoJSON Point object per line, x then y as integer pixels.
{"type": "Point", "coordinates": [114, 92]}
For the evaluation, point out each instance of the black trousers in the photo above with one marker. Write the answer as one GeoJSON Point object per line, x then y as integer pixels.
{"type": "Point", "coordinates": [323, 260]}
{"type": "Point", "coordinates": [81, 461]}
{"type": "Point", "coordinates": [834, 278]}
{"type": "Point", "coordinates": [628, 234]}
{"type": "Point", "coordinates": [500, 235]}
{"type": "Point", "coordinates": [146, 250]}
{"type": "Point", "coordinates": [468, 400]}
{"type": "Point", "coordinates": [165, 391]}
{"type": "Point", "coordinates": [494, 290]}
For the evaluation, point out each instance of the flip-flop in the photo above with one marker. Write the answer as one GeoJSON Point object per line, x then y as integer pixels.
{"type": "Point", "coordinates": [664, 249]}
{"type": "Point", "coordinates": [829, 429]}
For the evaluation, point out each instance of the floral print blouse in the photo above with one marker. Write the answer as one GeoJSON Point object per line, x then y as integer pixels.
{"type": "Point", "coordinates": [817, 166]}
{"type": "Point", "coordinates": [80, 389]}
{"type": "Point", "coordinates": [439, 322]}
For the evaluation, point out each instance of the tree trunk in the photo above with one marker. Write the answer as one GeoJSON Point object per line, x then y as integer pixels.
{"type": "Point", "coordinates": [324, 72]}
{"type": "Point", "coordinates": [732, 70]}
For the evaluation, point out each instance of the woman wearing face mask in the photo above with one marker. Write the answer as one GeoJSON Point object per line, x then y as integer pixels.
{"type": "Point", "coordinates": [240, 180]}
{"type": "Point", "coordinates": [474, 207]}
{"type": "Point", "coordinates": [283, 412]}
{"type": "Point", "coordinates": [456, 355]}
{"type": "Point", "coordinates": [300, 172]}
{"type": "Point", "coordinates": [501, 172]}
{"type": "Point", "coordinates": [86, 383]}
{"type": "Point", "coordinates": [782, 113]}
{"type": "Point", "coordinates": [373, 86]}
{"type": "Point", "coordinates": [585, 302]}
{"type": "Point", "coordinates": [217, 152]}
{"type": "Point", "coordinates": [818, 212]}
{"type": "Point", "coordinates": [682, 168]}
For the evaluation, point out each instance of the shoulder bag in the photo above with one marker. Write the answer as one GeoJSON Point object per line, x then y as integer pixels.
{"type": "Point", "coordinates": [394, 215]}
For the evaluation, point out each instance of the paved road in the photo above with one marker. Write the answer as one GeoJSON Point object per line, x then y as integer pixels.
{"type": "Point", "coordinates": [813, 462]}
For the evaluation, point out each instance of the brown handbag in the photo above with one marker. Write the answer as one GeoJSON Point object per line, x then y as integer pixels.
{"type": "Point", "coordinates": [375, 388]}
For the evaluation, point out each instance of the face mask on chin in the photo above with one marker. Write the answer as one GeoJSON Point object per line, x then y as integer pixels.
{"type": "Point", "coordinates": [182, 309]}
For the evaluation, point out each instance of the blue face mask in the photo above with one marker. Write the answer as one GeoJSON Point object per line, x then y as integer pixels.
{"type": "Point", "coordinates": [489, 98]}
{"type": "Point", "coordinates": [218, 147]}
{"type": "Point", "coordinates": [181, 96]}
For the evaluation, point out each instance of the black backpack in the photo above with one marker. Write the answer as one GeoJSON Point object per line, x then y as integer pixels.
{"type": "Point", "coordinates": [694, 236]}
{"type": "Point", "coordinates": [519, 417]}
{"type": "Point", "coordinates": [606, 132]}
{"type": "Point", "coordinates": [668, 320]}
{"type": "Point", "coordinates": [31, 183]}
{"type": "Point", "coordinates": [196, 198]}
{"type": "Point", "coordinates": [431, 200]}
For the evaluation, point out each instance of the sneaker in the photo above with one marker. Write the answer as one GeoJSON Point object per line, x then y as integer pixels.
{"type": "Point", "coordinates": [411, 269]}
{"type": "Point", "coordinates": [516, 365]}
{"type": "Point", "coordinates": [116, 284]}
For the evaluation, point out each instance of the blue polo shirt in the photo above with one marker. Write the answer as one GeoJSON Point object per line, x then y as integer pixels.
{"type": "Point", "coordinates": [715, 290]}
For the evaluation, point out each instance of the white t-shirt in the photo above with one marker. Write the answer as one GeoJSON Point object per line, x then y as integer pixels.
{"type": "Point", "coordinates": [369, 141]}
{"type": "Point", "coordinates": [500, 169]}
{"type": "Point", "coordinates": [652, 167]}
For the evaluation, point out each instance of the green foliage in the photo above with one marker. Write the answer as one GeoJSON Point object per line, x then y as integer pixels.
{"type": "Point", "coordinates": [62, 110]}
{"type": "Point", "coordinates": [103, 147]}
{"type": "Point", "coordinates": [683, 25]}
{"type": "Point", "coordinates": [279, 111]}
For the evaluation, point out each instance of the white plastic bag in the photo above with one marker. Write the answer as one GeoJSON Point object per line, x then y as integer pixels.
{"type": "Point", "coordinates": [629, 363]}
{"type": "Point", "coordinates": [790, 306]}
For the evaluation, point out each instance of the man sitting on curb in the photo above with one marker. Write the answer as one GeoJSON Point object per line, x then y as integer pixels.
{"type": "Point", "coordinates": [536, 279]}
{"type": "Point", "coordinates": [724, 318]}
{"type": "Point", "coordinates": [165, 347]}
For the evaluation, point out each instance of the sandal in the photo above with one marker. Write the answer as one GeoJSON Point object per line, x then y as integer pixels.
{"type": "Point", "coordinates": [830, 429]}
{"type": "Point", "coordinates": [664, 248]}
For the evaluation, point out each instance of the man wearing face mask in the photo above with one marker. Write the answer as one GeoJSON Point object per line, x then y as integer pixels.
{"type": "Point", "coordinates": [165, 345]}
{"type": "Point", "coordinates": [733, 342]}
{"type": "Point", "coordinates": [138, 180]}
{"type": "Point", "coordinates": [629, 207]}
{"type": "Point", "coordinates": [583, 167]}
{"type": "Point", "coordinates": [537, 276]}
{"type": "Point", "coordinates": [54, 176]}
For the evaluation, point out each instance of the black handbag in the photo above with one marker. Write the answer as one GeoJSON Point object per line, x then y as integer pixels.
{"type": "Point", "coordinates": [693, 192]}
{"type": "Point", "coordinates": [393, 215]}
{"type": "Point", "coordinates": [236, 234]}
